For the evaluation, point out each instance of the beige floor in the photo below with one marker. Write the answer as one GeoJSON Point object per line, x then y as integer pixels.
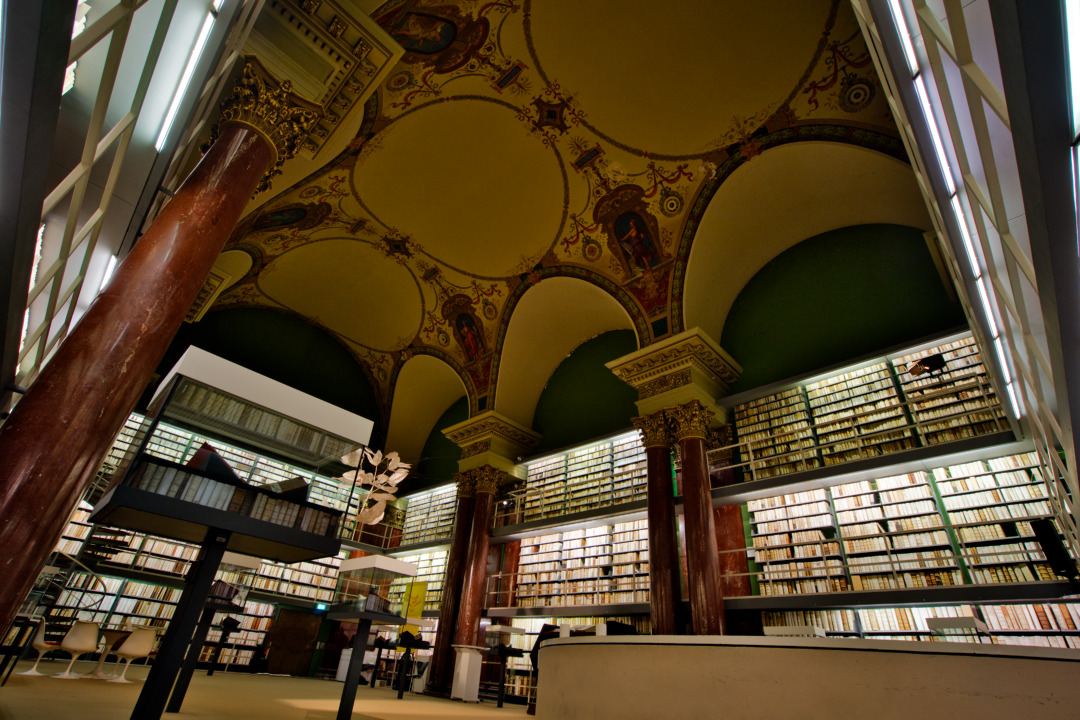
{"type": "Point", "coordinates": [225, 696]}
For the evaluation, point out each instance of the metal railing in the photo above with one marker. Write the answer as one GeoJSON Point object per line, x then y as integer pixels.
{"type": "Point", "coordinates": [858, 444]}
{"type": "Point", "coordinates": [811, 567]}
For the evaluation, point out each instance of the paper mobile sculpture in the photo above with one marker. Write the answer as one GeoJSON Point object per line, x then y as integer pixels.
{"type": "Point", "coordinates": [381, 482]}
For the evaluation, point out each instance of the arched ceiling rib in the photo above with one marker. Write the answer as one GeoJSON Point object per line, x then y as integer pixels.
{"type": "Point", "coordinates": [552, 319]}
{"type": "Point", "coordinates": [783, 196]}
{"type": "Point", "coordinates": [425, 388]}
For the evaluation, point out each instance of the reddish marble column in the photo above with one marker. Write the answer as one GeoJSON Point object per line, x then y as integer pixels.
{"type": "Point", "coordinates": [730, 534]}
{"type": "Point", "coordinates": [442, 656]}
{"type": "Point", "coordinates": [472, 590]}
{"type": "Point", "coordinates": [731, 544]}
{"type": "Point", "coordinates": [664, 592]}
{"type": "Point", "coordinates": [691, 423]}
{"type": "Point", "coordinates": [59, 432]}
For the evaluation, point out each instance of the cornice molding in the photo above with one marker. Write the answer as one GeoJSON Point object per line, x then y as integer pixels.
{"type": "Point", "coordinates": [673, 362]}
{"type": "Point", "coordinates": [494, 429]}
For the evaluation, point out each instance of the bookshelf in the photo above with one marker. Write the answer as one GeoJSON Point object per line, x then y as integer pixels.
{"type": "Point", "coordinates": [858, 413]}
{"type": "Point", "coordinates": [873, 409]}
{"type": "Point", "coordinates": [962, 524]}
{"type": "Point", "coordinates": [951, 403]}
{"type": "Point", "coordinates": [429, 516]}
{"type": "Point", "coordinates": [430, 568]}
{"type": "Point", "coordinates": [991, 504]}
{"type": "Point", "coordinates": [222, 414]}
{"type": "Point", "coordinates": [608, 472]}
{"type": "Point", "coordinates": [779, 432]}
{"type": "Point", "coordinates": [795, 544]}
{"type": "Point", "coordinates": [1031, 624]}
{"type": "Point", "coordinates": [894, 534]}
{"type": "Point", "coordinates": [602, 565]}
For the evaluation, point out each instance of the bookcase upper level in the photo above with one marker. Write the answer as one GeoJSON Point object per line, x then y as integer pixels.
{"type": "Point", "coordinates": [211, 395]}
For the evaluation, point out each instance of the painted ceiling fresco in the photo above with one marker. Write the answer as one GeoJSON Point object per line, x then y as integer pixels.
{"type": "Point", "coordinates": [519, 141]}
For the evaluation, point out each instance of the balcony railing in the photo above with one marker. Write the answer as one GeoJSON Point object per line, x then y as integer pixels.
{"type": "Point", "coordinates": [804, 568]}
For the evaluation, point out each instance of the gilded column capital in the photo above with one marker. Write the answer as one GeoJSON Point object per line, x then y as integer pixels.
{"type": "Point", "coordinates": [653, 429]}
{"type": "Point", "coordinates": [691, 420]}
{"type": "Point", "coordinates": [466, 484]}
{"type": "Point", "coordinates": [271, 109]}
{"type": "Point", "coordinates": [487, 479]}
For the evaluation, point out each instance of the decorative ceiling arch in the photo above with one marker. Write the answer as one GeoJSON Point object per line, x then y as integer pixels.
{"type": "Point", "coordinates": [425, 387]}
{"type": "Point", "coordinates": [551, 319]}
{"type": "Point", "coordinates": [785, 195]}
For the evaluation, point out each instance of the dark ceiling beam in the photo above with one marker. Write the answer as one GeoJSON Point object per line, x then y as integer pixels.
{"type": "Point", "coordinates": [36, 38]}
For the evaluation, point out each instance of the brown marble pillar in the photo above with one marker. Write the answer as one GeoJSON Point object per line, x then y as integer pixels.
{"type": "Point", "coordinates": [690, 423]}
{"type": "Point", "coordinates": [730, 534]}
{"type": "Point", "coordinates": [664, 592]}
{"type": "Point", "coordinates": [472, 590]}
{"type": "Point", "coordinates": [53, 443]}
{"type": "Point", "coordinates": [442, 656]}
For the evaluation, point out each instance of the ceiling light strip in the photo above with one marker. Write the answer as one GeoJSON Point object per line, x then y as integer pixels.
{"type": "Point", "coordinates": [185, 80]}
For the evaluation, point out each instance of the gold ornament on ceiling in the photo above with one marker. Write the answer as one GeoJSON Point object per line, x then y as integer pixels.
{"type": "Point", "coordinates": [272, 109]}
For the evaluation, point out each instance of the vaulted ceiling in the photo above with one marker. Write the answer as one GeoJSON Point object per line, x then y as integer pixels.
{"type": "Point", "coordinates": [532, 174]}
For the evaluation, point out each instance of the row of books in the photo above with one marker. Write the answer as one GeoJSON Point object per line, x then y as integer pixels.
{"type": "Point", "coordinates": [175, 482]}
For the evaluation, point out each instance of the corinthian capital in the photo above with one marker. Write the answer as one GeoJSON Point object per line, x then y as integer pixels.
{"type": "Point", "coordinates": [487, 479]}
{"type": "Point", "coordinates": [466, 485]}
{"type": "Point", "coordinates": [691, 420]}
{"type": "Point", "coordinates": [271, 109]}
{"type": "Point", "coordinates": [653, 429]}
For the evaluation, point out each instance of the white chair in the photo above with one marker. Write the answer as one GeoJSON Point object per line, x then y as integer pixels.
{"type": "Point", "coordinates": [42, 647]}
{"type": "Point", "coordinates": [82, 638]}
{"type": "Point", "coordinates": [139, 644]}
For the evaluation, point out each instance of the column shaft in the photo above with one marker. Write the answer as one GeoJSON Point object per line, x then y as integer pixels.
{"type": "Point", "coordinates": [731, 544]}
{"type": "Point", "coordinates": [702, 561]}
{"type": "Point", "coordinates": [472, 591]}
{"type": "Point", "coordinates": [439, 676]}
{"type": "Point", "coordinates": [664, 592]}
{"type": "Point", "coordinates": [57, 435]}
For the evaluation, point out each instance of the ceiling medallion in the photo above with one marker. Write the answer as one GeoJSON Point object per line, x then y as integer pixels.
{"type": "Point", "coordinates": [396, 246]}
{"type": "Point", "coordinates": [855, 93]}
{"type": "Point", "coordinates": [550, 114]}
{"type": "Point", "coordinates": [671, 202]}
